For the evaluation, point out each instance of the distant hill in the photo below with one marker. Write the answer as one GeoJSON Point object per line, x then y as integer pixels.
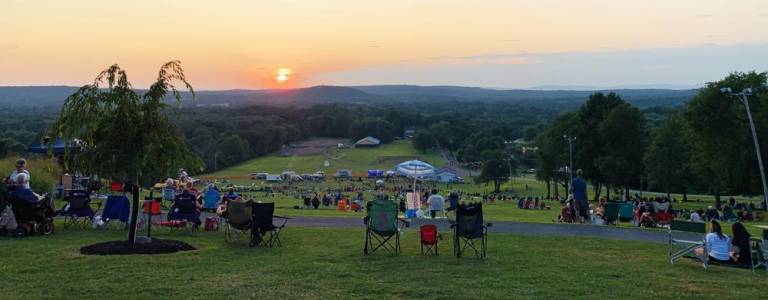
{"type": "Point", "coordinates": [557, 99]}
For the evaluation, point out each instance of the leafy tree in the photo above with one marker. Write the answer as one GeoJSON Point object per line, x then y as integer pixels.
{"type": "Point", "coordinates": [667, 160]}
{"type": "Point", "coordinates": [126, 135]}
{"type": "Point", "coordinates": [495, 170]}
{"type": "Point", "coordinates": [724, 156]}
{"type": "Point", "coordinates": [624, 139]}
{"type": "Point", "coordinates": [553, 149]}
{"type": "Point", "coordinates": [589, 143]}
{"type": "Point", "coordinates": [423, 140]}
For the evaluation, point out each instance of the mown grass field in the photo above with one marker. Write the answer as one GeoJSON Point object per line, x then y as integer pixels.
{"type": "Point", "coordinates": [321, 263]}
{"type": "Point", "coordinates": [358, 160]}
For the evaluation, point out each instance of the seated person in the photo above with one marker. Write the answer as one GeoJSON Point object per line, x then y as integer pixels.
{"type": "Point", "coordinates": [712, 214]}
{"type": "Point", "coordinates": [186, 207]}
{"type": "Point", "coordinates": [728, 214]}
{"type": "Point", "coordinates": [696, 216]}
{"type": "Point", "coordinates": [742, 253]}
{"type": "Point", "coordinates": [746, 215]}
{"type": "Point", "coordinates": [23, 192]}
{"type": "Point", "coordinates": [315, 202]}
{"type": "Point", "coordinates": [718, 246]}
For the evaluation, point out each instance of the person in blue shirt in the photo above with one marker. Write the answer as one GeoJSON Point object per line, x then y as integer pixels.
{"type": "Point", "coordinates": [23, 192]}
{"type": "Point", "coordinates": [579, 187]}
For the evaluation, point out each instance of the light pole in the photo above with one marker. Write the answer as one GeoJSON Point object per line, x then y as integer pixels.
{"type": "Point", "coordinates": [570, 140]}
{"type": "Point", "coordinates": [743, 96]}
{"type": "Point", "coordinates": [215, 161]}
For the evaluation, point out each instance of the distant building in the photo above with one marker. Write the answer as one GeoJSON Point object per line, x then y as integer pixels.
{"type": "Point", "coordinates": [447, 175]}
{"type": "Point", "coordinates": [368, 142]}
{"type": "Point", "coordinates": [343, 174]}
{"type": "Point", "coordinates": [409, 132]}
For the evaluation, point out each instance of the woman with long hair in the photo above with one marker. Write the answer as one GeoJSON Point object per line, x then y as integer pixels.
{"type": "Point", "coordinates": [718, 245]}
{"type": "Point", "coordinates": [740, 242]}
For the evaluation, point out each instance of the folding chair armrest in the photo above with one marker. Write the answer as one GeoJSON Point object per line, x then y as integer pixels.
{"type": "Point", "coordinates": [282, 217]}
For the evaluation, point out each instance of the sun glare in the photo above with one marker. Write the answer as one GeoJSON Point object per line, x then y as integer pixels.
{"type": "Point", "coordinates": [283, 75]}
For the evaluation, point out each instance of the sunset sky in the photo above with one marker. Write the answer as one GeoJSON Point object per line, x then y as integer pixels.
{"type": "Point", "coordinates": [504, 44]}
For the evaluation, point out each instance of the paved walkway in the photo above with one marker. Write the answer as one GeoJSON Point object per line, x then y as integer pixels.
{"type": "Point", "coordinates": [538, 229]}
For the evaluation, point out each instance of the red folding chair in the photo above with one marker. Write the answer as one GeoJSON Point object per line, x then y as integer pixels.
{"type": "Point", "coordinates": [116, 187]}
{"type": "Point", "coordinates": [429, 237]}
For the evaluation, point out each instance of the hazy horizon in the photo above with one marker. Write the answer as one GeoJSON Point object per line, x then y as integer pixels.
{"type": "Point", "coordinates": [489, 44]}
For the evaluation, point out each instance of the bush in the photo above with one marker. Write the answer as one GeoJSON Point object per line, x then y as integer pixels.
{"type": "Point", "coordinates": [45, 173]}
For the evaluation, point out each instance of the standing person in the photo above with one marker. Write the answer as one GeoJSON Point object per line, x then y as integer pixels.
{"type": "Point", "coordinates": [579, 187]}
{"type": "Point", "coordinates": [21, 168]}
{"type": "Point", "coordinates": [435, 203]}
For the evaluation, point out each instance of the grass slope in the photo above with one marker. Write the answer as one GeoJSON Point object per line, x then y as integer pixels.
{"type": "Point", "coordinates": [328, 263]}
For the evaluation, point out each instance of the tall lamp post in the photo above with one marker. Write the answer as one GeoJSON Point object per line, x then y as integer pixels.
{"type": "Point", "coordinates": [570, 140]}
{"type": "Point", "coordinates": [743, 96]}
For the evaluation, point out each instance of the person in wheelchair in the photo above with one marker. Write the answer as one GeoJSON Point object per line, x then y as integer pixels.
{"type": "Point", "coordinates": [33, 212]}
{"type": "Point", "coordinates": [23, 192]}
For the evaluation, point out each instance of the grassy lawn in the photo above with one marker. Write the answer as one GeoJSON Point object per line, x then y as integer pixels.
{"type": "Point", "coordinates": [328, 263]}
{"type": "Point", "coordinates": [358, 160]}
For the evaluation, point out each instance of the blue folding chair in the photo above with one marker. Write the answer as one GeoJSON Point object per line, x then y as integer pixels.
{"type": "Point", "coordinates": [211, 199]}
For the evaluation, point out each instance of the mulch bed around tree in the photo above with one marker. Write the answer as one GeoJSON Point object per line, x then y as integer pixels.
{"type": "Point", "coordinates": [124, 248]}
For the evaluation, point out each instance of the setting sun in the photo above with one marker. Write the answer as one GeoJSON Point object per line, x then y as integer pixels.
{"type": "Point", "coordinates": [282, 75]}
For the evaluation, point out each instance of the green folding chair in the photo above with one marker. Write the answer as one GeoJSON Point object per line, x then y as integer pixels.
{"type": "Point", "coordinates": [684, 247]}
{"type": "Point", "coordinates": [238, 220]}
{"type": "Point", "coordinates": [382, 227]}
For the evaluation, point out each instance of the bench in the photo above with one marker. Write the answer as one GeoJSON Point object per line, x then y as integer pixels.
{"type": "Point", "coordinates": [682, 247]}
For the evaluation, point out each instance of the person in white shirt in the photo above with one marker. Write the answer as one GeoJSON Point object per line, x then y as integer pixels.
{"type": "Point", "coordinates": [718, 245]}
{"type": "Point", "coordinates": [695, 216]}
{"type": "Point", "coordinates": [435, 203]}
{"type": "Point", "coordinates": [21, 168]}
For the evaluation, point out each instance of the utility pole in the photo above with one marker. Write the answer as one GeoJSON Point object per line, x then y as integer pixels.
{"type": "Point", "coordinates": [743, 97]}
{"type": "Point", "coordinates": [570, 140]}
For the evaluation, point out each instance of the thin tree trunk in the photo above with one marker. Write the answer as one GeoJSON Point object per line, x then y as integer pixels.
{"type": "Point", "coordinates": [598, 190]}
{"type": "Point", "coordinates": [134, 212]}
{"type": "Point", "coordinates": [548, 190]}
{"type": "Point", "coordinates": [717, 197]}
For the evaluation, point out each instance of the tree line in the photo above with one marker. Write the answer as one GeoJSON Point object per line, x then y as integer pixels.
{"type": "Point", "coordinates": [704, 146]}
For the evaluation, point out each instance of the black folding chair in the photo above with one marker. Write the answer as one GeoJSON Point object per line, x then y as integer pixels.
{"type": "Point", "coordinates": [263, 231]}
{"type": "Point", "coordinates": [78, 211]}
{"type": "Point", "coordinates": [469, 231]}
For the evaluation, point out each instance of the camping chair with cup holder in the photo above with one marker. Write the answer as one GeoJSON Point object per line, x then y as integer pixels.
{"type": "Point", "coordinates": [684, 237]}
{"type": "Point", "coordinates": [469, 230]}
{"type": "Point", "coordinates": [382, 226]}
{"type": "Point", "coordinates": [78, 210]}
{"type": "Point", "coordinates": [264, 232]}
{"type": "Point", "coordinates": [237, 219]}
